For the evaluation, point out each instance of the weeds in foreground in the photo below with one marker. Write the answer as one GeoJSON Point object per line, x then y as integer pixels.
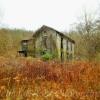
{"type": "Point", "coordinates": [33, 79]}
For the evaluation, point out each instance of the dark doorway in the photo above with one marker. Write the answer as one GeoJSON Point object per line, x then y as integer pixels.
{"type": "Point", "coordinates": [62, 53]}
{"type": "Point", "coordinates": [24, 44]}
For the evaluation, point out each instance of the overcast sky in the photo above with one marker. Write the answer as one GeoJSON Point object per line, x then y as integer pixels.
{"type": "Point", "coordinates": [32, 14]}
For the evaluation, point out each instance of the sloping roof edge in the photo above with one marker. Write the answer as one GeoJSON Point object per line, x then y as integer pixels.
{"type": "Point", "coordinates": [26, 40]}
{"type": "Point", "coordinates": [60, 33]}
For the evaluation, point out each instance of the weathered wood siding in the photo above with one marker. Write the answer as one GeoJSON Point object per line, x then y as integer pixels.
{"type": "Point", "coordinates": [31, 48]}
{"type": "Point", "coordinates": [52, 41]}
{"type": "Point", "coordinates": [58, 41]}
{"type": "Point", "coordinates": [64, 48]}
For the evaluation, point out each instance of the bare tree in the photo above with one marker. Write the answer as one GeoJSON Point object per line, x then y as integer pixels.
{"type": "Point", "coordinates": [86, 36]}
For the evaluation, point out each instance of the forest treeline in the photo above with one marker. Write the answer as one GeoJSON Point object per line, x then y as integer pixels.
{"type": "Point", "coordinates": [87, 41]}
{"type": "Point", "coordinates": [86, 33]}
{"type": "Point", "coordinates": [10, 40]}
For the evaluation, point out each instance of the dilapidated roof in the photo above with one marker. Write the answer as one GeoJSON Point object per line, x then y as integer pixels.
{"type": "Point", "coordinates": [44, 27]}
{"type": "Point", "coordinates": [26, 40]}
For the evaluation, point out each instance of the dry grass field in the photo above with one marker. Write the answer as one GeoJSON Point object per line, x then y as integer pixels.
{"type": "Point", "coordinates": [33, 79]}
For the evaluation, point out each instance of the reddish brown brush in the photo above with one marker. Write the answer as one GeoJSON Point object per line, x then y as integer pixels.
{"type": "Point", "coordinates": [32, 79]}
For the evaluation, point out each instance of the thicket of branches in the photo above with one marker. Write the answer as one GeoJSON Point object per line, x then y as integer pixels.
{"type": "Point", "coordinates": [86, 33]}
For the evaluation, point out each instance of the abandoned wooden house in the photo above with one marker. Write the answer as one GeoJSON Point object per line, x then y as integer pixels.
{"type": "Point", "coordinates": [49, 40]}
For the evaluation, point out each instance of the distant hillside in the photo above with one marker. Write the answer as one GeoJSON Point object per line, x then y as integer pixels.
{"type": "Point", "coordinates": [10, 40]}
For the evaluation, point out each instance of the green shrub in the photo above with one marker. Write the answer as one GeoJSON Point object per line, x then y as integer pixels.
{"type": "Point", "coordinates": [47, 56]}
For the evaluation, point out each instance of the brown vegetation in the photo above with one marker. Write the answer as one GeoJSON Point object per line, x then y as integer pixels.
{"type": "Point", "coordinates": [33, 79]}
{"type": "Point", "coordinates": [10, 41]}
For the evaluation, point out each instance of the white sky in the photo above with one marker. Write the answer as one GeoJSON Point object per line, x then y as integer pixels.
{"type": "Point", "coordinates": [32, 14]}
